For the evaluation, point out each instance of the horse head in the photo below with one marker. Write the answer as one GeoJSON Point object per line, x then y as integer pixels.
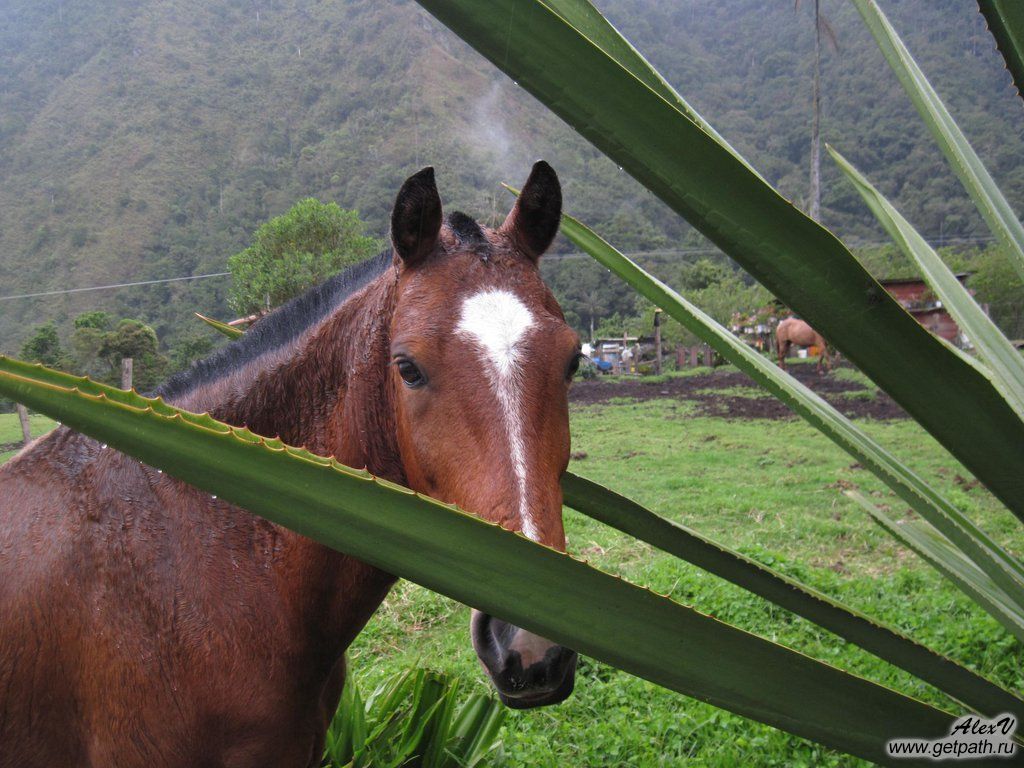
{"type": "Point", "coordinates": [482, 359]}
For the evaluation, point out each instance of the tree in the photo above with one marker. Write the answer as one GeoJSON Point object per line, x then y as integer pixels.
{"type": "Point", "coordinates": [713, 286]}
{"type": "Point", "coordinates": [730, 295]}
{"type": "Point", "coordinates": [86, 340]}
{"type": "Point", "coordinates": [702, 273]}
{"type": "Point", "coordinates": [98, 346]}
{"type": "Point", "coordinates": [134, 339]}
{"type": "Point", "coordinates": [586, 292]}
{"type": "Point", "coordinates": [999, 287]}
{"type": "Point", "coordinates": [96, 319]}
{"type": "Point", "coordinates": [295, 251]}
{"type": "Point", "coordinates": [188, 349]}
{"type": "Point", "coordinates": [43, 346]}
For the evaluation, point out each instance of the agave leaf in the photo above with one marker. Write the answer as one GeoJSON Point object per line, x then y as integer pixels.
{"type": "Point", "coordinates": [357, 732]}
{"type": "Point", "coordinates": [1003, 360]}
{"type": "Point", "coordinates": [428, 699]}
{"type": "Point", "coordinates": [476, 730]}
{"type": "Point", "coordinates": [629, 517]}
{"type": "Point", "coordinates": [960, 154]}
{"type": "Point", "coordinates": [228, 330]}
{"type": "Point", "coordinates": [388, 696]}
{"type": "Point", "coordinates": [338, 739]}
{"type": "Point", "coordinates": [793, 256]}
{"type": "Point", "coordinates": [592, 23]}
{"type": "Point", "coordinates": [437, 736]}
{"type": "Point", "coordinates": [909, 486]}
{"type": "Point", "coordinates": [936, 549]}
{"type": "Point", "coordinates": [480, 564]}
{"type": "Point", "coordinates": [1005, 20]}
{"type": "Point", "coordinates": [407, 740]}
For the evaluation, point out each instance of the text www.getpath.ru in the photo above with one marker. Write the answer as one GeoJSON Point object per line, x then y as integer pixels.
{"type": "Point", "coordinates": [970, 737]}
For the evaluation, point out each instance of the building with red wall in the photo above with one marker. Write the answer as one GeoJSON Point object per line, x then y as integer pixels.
{"type": "Point", "coordinates": [919, 300]}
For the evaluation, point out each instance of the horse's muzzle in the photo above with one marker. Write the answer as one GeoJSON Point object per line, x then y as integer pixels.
{"type": "Point", "coordinates": [527, 670]}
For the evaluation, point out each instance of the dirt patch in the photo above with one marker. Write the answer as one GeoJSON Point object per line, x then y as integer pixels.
{"type": "Point", "coordinates": [710, 392]}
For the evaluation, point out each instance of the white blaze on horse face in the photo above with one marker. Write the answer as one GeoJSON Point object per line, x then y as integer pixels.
{"type": "Point", "coordinates": [498, 322]}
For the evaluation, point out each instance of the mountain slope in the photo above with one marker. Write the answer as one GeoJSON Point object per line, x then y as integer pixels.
{"type": "Point", "coordinates": [143, 140]}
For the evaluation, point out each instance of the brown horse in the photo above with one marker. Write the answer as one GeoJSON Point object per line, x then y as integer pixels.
{"type": "Point", "coordinates": [146, 623]}
{"type": "Point", "coordinates": [793, 330]}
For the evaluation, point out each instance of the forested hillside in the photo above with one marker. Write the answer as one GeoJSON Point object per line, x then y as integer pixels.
{"type": "Point", "coordinates": [148, 139]}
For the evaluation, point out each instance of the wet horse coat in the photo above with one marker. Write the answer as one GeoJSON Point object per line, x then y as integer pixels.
{"type": "Point", "coordinates": [146, 623]}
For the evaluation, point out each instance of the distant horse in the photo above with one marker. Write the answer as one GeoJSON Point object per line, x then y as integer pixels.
{"type": "Point", "coordinates": [146, 623]}
{"type": "Point", "coordinates": [791, 331]}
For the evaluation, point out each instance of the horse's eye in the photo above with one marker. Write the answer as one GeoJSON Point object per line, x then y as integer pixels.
{"type": "Point", "coordinates": [574, 365]}
{"type": "Point", "coordinates": [410, 373]}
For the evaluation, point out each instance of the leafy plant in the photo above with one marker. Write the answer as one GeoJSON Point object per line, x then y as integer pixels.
{"type": "Point", "coordinates": [295, 251]}
{"type": "Point", "coordinates": [418, 538]}
{"type": "Point", "coordinates": [134, 339]}
{"type": "Point", "coordinates": [1004, 363]}
{"type": "Point", "coordinates": [415, 719]}
{"type": "Point", "coordinates": [626, 109]}
{"type": "Point", "coordinates": [44, 346]}
{"type": "Point", "coordinates": [1006, 23]}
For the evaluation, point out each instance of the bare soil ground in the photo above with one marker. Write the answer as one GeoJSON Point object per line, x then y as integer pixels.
{"type": "Point", "coordinates": [714, 394]}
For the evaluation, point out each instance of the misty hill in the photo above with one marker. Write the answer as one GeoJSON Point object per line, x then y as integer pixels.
{"type": "Point", "coordinates": [143, 140]}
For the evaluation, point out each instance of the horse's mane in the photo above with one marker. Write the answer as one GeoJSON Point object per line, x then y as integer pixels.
{"type": "Point", "coordinates": [279, 327]}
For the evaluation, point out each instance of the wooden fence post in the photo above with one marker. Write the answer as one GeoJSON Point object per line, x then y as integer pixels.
{"type": "Point", "coordinates": [657, 341]}
{"type": "Point", "coordinates": [126, 373]}
{"type": "Point", "coordinates": [26, 427]}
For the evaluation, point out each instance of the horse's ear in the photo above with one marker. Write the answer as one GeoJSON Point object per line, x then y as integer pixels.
{"type": "Point", "coordinates": [416, 218]}
{"type": "Point", "coordinates": [533, 222]}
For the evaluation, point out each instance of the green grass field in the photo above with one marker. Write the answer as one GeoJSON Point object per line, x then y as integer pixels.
{"type": "Point", "coordinates": [770, 488]}
{"type": "Point", "coordinates": [10, 432]}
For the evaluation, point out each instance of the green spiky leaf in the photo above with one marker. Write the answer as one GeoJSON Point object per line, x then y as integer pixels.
{"type": "Point", "coordinates": [582, 81]}
{"type": "Point", "coordinates": [1004, 362]}
{"type": "Point", "coordinates": [907, 484]}
{"type": "Point", "coordinates": [482, 565]}
{"type": "Point", "coordinates": [961, 155]}
{"type": "Point", "coordinates": [228, 330]}
{"type": "Point", "coordinates": [1005, 19]}
{"type": "Point", "coordinates": [631, 518]}
{"type": "Point", "coordinates": [948, 560]}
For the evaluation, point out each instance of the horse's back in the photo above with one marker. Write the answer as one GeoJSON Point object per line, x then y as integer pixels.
{"type": "Point", "coordinates": [798, 331]}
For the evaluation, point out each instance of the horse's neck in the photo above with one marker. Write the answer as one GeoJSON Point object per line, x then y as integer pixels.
{"type": "Point", "coordinates": [328, 391]}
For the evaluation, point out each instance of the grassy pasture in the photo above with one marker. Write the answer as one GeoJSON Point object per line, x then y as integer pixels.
{"type": "Point", "coordinates": [10, 432]}
{"type": "Point", "coordinates": [770, 487]}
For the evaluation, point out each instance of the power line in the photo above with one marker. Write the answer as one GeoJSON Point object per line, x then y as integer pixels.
{"type": "Point", "coordinates": [114, 285]}
{"type": "Point", "coordinates": [698, 251]}
{"type": "Point", "coordinates": [711, 250]}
